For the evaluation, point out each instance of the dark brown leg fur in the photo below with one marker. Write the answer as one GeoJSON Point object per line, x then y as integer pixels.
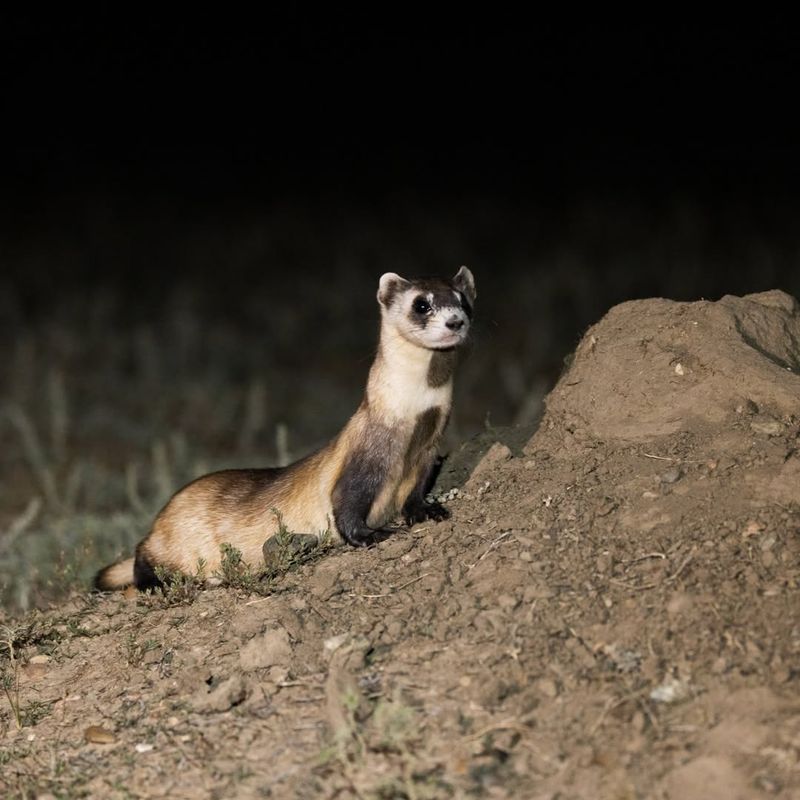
{"type": "Point", "coordinates": [415, 508]}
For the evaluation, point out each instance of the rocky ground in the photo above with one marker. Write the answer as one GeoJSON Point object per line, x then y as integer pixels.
{"type": "Point", "coordinates": [611, 612]}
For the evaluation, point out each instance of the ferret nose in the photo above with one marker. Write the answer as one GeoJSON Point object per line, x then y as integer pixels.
{"type": "Point", "coordinates": [455, 323]}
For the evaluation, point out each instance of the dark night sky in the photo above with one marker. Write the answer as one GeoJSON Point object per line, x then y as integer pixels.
{"type": "Point", "coordinates": [302, 105]}
{"type": "Point", "coordinates": [233, 153]}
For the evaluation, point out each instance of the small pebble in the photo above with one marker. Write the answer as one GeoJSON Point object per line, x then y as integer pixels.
{"type": "Point", "coordinates": [95, 734]}
{"type": "Point", "coordinates": [767, 784]}
{"type": "Point", "coordinates": [781, 674]}
{"type": "Point", "coordinates": [547, 687]}
{"type": "Point", "coordinates": [604, 562]}
{"type": "Point", "coordinates": [767, 543]}
{"type": "Point", "coordinates": [394, 629]}
{"type": "Point", "coordinates": [679, 603]}
{"type": "Point", "coordinates": [672, 690]}
{"type": "Point", "coordinates": [335, 642]}
{"type": "Point", "coordinates": [753, 528]}
{"type": "Point", "coordinates": [507, 602]}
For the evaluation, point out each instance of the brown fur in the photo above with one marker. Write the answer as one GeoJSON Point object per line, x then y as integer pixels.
{"type": "Point", "coordinates": [397, 425]}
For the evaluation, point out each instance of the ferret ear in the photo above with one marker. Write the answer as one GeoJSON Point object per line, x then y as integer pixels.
{"type": "Point", "coordinates": [388, 287]}
{"type": "Point", "coordinates": [465, 283]}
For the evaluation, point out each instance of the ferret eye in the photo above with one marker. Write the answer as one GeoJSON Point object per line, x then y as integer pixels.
{"type": "Point", "coordinates": [421, 306]}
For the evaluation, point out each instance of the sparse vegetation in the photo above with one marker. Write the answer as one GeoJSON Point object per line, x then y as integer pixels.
{"type": "Point", "coordinates": [287, 550]}
{"type": "Point", "coordinates": [23, 712]}
{"type": "Point", "coordinates": [135, 650]}
{"type": "Point", "coordinates": [9, 680]}
{"type": "Point", "coordinates": [178, 588]}
{"type": "Point", "coordinates": [236, 574]}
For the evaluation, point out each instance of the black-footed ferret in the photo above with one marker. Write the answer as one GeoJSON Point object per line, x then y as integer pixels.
{"type": "Point", "coordinates": [379, 465]}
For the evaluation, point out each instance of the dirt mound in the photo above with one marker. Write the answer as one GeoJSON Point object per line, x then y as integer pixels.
{"type": "Point", "coordinates": [656, 367]}
{"type": "Point", "coordinates": [610, 613]}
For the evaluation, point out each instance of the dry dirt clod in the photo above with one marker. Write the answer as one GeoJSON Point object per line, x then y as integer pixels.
{"type": "Point", "coordinates": [496, 455]}
{"type": "Point", "coordinates": [604, 562]}
{"type": "Point", "coordinates": [672, 475]}
{"type": "Point", "coordinates": [768, 427]}
{"type": "Point", "coordinates": [547, 687]}
{"type": "Point", "coordinates": [679, 603]}
{"type": "Point", "coordinates": [706, 778]}
{"type": "Point", "coordinates": [265, 650]}
{"type": "Point", "coordinates": [607, 505]}
{"type": "Point", "coordinates": [222, 697]}
{"type": "Point", "coordinates": [748, 407]}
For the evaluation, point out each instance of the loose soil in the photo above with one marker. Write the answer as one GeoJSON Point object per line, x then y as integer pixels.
{"type": "Point", "coordinates": [611, 612]}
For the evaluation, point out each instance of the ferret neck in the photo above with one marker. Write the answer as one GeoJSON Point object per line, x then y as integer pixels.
{"type": "Point", "coordinates": [400, 374]}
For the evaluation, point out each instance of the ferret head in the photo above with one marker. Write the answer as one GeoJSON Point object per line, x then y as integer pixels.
{"type": "Point", "coordinates": [433, 313]}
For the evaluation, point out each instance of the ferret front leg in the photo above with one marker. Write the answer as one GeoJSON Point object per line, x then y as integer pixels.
{"type": "Point", "coordinates": [352, 499]}
{"type": "Point", "coordinates": [416, 509]}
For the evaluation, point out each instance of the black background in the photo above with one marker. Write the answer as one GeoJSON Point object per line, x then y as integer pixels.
{"type": "Point", "coordinates": [152, 127]}
{"type": "Point", "coordinates": [266, 109]}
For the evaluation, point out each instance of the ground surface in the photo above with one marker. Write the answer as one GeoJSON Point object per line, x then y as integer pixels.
{"type": "Point", "coordinates": [611, 612]}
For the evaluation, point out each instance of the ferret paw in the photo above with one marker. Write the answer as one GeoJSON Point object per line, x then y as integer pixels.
{"type": "Point", "coordinates": [425, 511]}
{"type": "Point", "coordinates": [359, 537]}
{"type": "Point", "coordinates": [366, 537]}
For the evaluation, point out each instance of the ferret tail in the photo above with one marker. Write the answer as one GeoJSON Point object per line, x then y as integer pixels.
{"type": "Point", "coordinates": [115, 576]}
